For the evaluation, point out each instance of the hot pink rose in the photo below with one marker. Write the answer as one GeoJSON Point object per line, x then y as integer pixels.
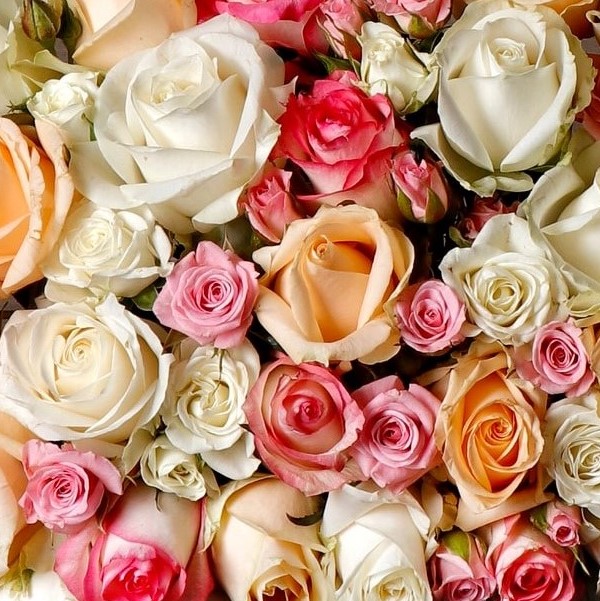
{"type": "Point", "coordinates": [421, 188]}
{"type": "Point", "coordinates": [561, 522]}
{"type": "Point", "coordinates": [430, 316]}
{"type": "Point", "coordinates": [482, 211]}
{"type": "Point", "coordinates": [65, 487]}
{"type": "Point", "coordinates": [147, 549]}
{"type": "Point", "coordinates": [457, 569]}
{"type": "Point", "coordinates": [396, 445]}
{"type": "Point", "coordinates": [527, 565]}
{"type": "Point", "coordinates": [304, 422]}
{"type": "Point", "coordinates": [418, 18]}
{"type": "Point", "coordinates": [270, 206]}
{"type": "Point", "coordinates": [556, 360]}
{"type": "Point", "coordinates": [343, 140]}
{"type": "Point", "coordinates": [209, 296]}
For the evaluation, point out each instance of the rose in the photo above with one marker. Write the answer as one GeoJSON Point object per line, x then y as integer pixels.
{"type": "Point", "coordinates": [458, 571]}
{"type": "Point", "coordinates": [390, 65]}
{"type": "Point", "coordinates": [430, 316]}
{"type": "Point", "coordinates": [342, 22]}
{"type": "Point", "coordinates": [257, 519]}
{"type": "Point", "coordinates": [209, 296]}
{"type": "Point", "coordinates": [270, 206]}
{"type": "Point", "coordinates": [37, 194]}
{"type": "Point", "coordinates": [184, 126]}
{"type": "Point", "coordinates": [343, 141]}
{"type": "Point", "coordinates": [101, 251]}
{"type": "Point", "coordinates": [484, 137]}
{"type": "Point", "coordinates": [508, 284]}
{"type": "Point", "coordinates": [113, 31]}
{"type": "Point", "coordinates": [560, 522]}
{"type": "Point", "coordinates": [379, 545]}
{"type": "Point", "coordinates": [304, 422]}
{"type": "Point", "coordinates": [328, 285]}
{"type": "Point", "coordinates": [489, 432]}
{"type": "Point", "coordinates": [396, 447]}
{"type": "Point", "coordinates": [418, 18]}
{"type": "Point", "coordinates": [526, 564]}
{"type": "Point", "coordinates": [130, 559]}
{"type": "Point", "coordinates": [481, 212]}
{"type": "Point", "coordinates": [65, 487]}
{"type": "Point", "coordinates": [203, 408]}
{"type": "Point", "coordinates": [95, 373]}
{"type": "Point", "coordinates": [557, 360]}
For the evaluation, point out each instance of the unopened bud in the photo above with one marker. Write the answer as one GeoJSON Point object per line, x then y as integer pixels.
{"type": "Point", "coordinates": [41, 19]}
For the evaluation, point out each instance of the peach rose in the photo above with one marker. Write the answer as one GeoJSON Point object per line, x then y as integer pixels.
{"type": "Point", "coordinates": [114, 30]}
{"type": "Point", "coordinates": [329, 288]}
{"type": "Point", "coordinates": [489, 432]}
{"type": "Point", "coordinates": [37, 191]}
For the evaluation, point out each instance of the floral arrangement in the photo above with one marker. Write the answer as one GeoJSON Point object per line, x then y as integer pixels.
{"type": "Point", "coordinates": [299, 300]}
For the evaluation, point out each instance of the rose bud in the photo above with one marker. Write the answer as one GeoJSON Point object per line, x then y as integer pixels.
{"type": "Point", "coordinates": [417, 18]}
{"type": "Point", "coordinates": [482, 211]}
{"type": "Point", "coordinates": [559, 521]}
{"type": "Point", "coordinates": [41, 19]}
{"type": "Point", "coordinates": [342, 22]}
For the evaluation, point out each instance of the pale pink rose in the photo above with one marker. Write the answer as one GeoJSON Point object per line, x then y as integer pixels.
{"type": "Point", "coordinates": [418, 18]}
{"type": "Point", "coordinates": [527, 565]}
{"type": "Point", "coordinates": [343, 140]}
{"type": "Point", "coordinates": [396, 445]}
{"type": "Point", "coordinates": [430, 316]}
{"type": "Point", "coordinates": [562, 523]}
{"type": "Point", "coordinates": [304, 422]}
{"type": "Point", "coordinates": [421, 188]}
{"type": "Point", "coordinates": [65, 487]}
{"type": "Point", "coordinates": [209, 296]}
{"type": "Point", "coordinates": [458, 571]}
{"type": "Point", "coordinates": [556, 360]}
{"type": "Point", "coordinates": [342, 21]}
{"type": "Point", "coordinates": [482, 211]}
{"type": "Point", "coordinates": [270, 206]}
{"type": "Point", "coordinates": [147, 548]}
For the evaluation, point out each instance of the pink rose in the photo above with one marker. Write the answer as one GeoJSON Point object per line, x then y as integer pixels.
{"type": "Point", "coordinates": [421, 188]}
{"type": "Point", "coordinates": [457, 569]}
{"type": "Point", "coordinates": [342, 21]}
{"type": "Point", "coordinates": [147, 549]}
{"type": "Point", "coordinates": [418, 18]}
{"type": "Point", "coordinates": [343, 140]}
{"type": "Point", "coordinates": [304, 422]}
{"type": "Point", "coordinates": [209, 296]}
{"type": "Point", "coordinates": [527, 565]}
{"type": "Point", "coordinates": [270, 206]}
{"type": "Point", "coordinates": [482, 211]}
{"type": "Point", "coordinates": [396, 445]}
{"type": "Point", "coordinates": [65, 487]}
{"type": "Point", "coordinates": [556, 360]}
{"type": "Point", "coordinates": [430, 316]}
{"type": "Point", "coordinates": [561, 522]}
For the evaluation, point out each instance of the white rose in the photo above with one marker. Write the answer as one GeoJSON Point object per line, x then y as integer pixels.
{"type": "Point", "coordinates": [512, 79]}
{"type": "Point", "coordinates": [68, 103]}
{"type": "Point", "coordinates": [380, 545]}
{"type": "Point", "coordinates": [184, 126]}
{"type": "Point", "coordinates": [509, 286]}
{"type": "Point", "coordinates": [572, 452]}
{"type": "Point", "coordinates": [203, 411]}
{"type": "Point", "coordinates": [390, 65]}
{"type": "Point", "coordinates": [73, 372]}
{"type": "Point", "coordinates": [101, 251]}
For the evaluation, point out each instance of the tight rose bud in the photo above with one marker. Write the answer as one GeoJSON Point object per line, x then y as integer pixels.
{"type": "Point", "coordinates": [482, 211]}
{"type": "Point", "coordinates": [342, 22]}
{"type": "Point", "coordinates": [41, 19]}
{"type": "Point", "coordinates": [559, 521]}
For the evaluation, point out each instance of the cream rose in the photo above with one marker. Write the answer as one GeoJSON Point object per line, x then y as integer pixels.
{"type": "Point", "coordinates": [329, 288]}
{"type": "Point", "coordinates": [101, 251]}
{"type": "Point", "coordinates": [380, 545]}
{"type": "Point", "coordinates": [113, 30]}
{"type": "Point", "coordinates": [184, 126]}
{"type": "Point", "coordinates": [72, 372]}
{"type": "Point", "coordinates": [508, 284]}
{"type": "Point", "coordinates": [499, 57]}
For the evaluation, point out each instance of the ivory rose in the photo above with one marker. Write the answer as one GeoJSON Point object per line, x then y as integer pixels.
{"type": "Point", "coordinates": [484, 137]}
{"type": "Point", "coordinates": [183, 127]}
{"type": "Point", "coordinates": [71, 372]}
{"type": "Point", "coordinates": [37, 194]}
{"type": "Point", "coordinates": [304, 422]}
{"type": "Point", "coordinates": [489, 432]}
{"type": "Point", "coordinates": [114, 30]}
{"type": "Point", "coordinates": [343, 253]}
{"type": "Point", "coordinates": [257, 549]}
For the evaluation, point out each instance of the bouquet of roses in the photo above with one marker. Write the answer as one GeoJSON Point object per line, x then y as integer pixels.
{"type": "Point", "coordinates": [299, 300]}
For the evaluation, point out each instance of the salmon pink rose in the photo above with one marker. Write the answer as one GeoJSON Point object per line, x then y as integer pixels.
{"type": "Point", "coordinates": [304, 422]}
{"type": "Point", "coordinates": [330, 286]}
{"type": "Point", "coordinates": [559, 521]}
{"type": "Point", "coordinates": [65, 487]}
{"type": "Point", "coordinates": [209, 296]}
{"type": "Point", "coordinates": [396, 445]}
